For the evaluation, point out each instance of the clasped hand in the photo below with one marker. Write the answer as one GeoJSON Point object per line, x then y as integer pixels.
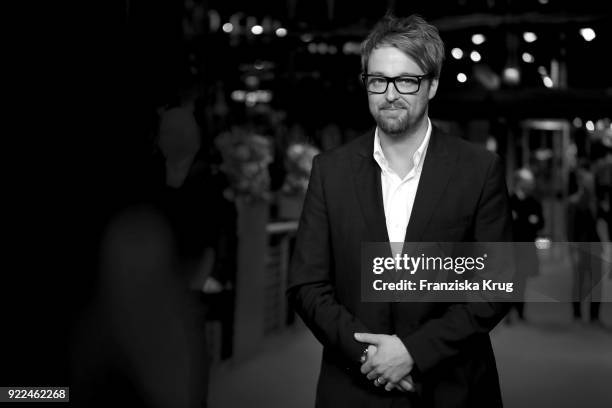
{"type": "Point", "coordinates": [388, 361]}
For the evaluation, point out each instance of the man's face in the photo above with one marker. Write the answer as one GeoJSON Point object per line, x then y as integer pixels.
{"type": "Point", "coordinates": [394, 112]}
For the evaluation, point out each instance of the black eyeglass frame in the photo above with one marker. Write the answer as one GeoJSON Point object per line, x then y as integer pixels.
{"type": "Point", "coordinates": [419, 78]}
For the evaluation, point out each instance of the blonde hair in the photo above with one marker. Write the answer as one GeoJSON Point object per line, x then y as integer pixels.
{"type": "Point", "coordinates": [413, 36]}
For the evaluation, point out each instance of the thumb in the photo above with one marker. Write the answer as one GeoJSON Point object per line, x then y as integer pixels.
{"type": "Point", "coordinates": [368, 338]}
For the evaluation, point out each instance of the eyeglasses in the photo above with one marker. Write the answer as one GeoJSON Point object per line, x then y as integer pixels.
{"type": "Point", "coordinates": [405, 84]}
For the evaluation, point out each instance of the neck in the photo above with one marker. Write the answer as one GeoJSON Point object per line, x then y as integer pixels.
{"type": "Point", "coordinates": [406, 143]}
{"type": "Point", "coordinates": [399, 149]}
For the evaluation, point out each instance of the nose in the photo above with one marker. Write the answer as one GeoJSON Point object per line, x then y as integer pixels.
{"type": "Point", "coordinates": [391, 94]}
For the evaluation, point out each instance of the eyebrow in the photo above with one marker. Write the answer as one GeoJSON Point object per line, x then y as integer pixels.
{"type": "Point", "coordinates": [377, 73]}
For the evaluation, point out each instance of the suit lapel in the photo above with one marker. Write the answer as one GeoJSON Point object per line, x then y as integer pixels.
{"type": "Point", "coordinates": [366, 182]}
{"type": "Point", "coordinates": [434, 179]}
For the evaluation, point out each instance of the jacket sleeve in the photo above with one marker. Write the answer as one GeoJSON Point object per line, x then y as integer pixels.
{"type": "Point", "coordinates": [311, 289]}
{"type": "Point", "coordinates": [445, 337]}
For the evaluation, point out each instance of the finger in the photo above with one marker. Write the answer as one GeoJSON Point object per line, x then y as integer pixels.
{"type": "Point", "coordinates": [368, 353]}
{"type": "Point", "coordinates": [379, 381]}
{"type": "Point", "coordinates": [368, 338]}
{"type": "Point", "coordinates": [367, 366]}
{"type": "Point", "coordinates": [372, 375]}
{"type": "Point", "coordinates": [389, 386]}
{"type": "Point", "coordinates": [365, 355]}
{"type": "Point", "coordinates": [406, 385]}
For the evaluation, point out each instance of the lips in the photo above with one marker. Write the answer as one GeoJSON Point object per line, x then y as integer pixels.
{"type": "Point", "coordinates": [392, 110]}
{"type": "Point", "coordinates": [391, 107]}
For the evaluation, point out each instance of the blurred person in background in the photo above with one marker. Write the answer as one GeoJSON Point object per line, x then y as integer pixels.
{"type": "Point", "coordinates": [527, 221]}
{"type": "Point", "coordinates": [203, 220]}
{"type": "Point", "coordinates": [193, 196]}
{"type": "Point", "coordinates": [405, 181]}
{"type": "Point", "coordinates": [602, 170]}
{"type": "Point", "coordinates": [179, 137]}
{"type": "Point", "coordinates": [586, 248]}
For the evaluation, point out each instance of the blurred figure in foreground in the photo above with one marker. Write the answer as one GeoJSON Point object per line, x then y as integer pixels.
{"type": "Point", "coordinates": [586, 252]}
{"type": "Point", "coordinates": [142, 343]}
{"type": "Point", "coordinates": [527, 221]}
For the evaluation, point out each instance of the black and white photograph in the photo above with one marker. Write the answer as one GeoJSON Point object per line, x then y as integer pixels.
{"type": "Point", "coordinates": [309, 203]}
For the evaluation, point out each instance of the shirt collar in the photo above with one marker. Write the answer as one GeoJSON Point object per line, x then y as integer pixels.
{"type": "Point", "coordinates": [379, 155]}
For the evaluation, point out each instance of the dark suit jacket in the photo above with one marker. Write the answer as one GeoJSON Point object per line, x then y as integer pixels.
{"type": "Point", "coordinates": [461, 196]}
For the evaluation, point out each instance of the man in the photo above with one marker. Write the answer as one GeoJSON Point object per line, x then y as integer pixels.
{"type": "Point", "coordinates": [406, 181]}
{"type": "Point", "coordinates": [585, 256]}
{"type": "Point", "coordinates": [527, 221]}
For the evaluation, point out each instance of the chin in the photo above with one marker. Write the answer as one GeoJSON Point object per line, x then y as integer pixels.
{"type": "Point", "coordinates": [393, 130]}
{"type": "Point", "coordinates": [393, 126]}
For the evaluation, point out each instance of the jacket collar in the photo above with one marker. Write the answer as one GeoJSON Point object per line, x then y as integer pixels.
{"type": "Point", "coordinates": [434, 180]}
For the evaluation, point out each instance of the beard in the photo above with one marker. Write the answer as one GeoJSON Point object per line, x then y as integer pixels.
{"type": "Point", "coordinates": [394, 124]}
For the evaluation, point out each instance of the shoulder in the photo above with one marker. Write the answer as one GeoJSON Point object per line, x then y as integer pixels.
{"type": "Point", "coordinates": [474, 151]}
{"type": "Point", "coordinates": [469, 154]}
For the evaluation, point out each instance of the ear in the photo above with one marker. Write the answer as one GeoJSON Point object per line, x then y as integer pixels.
{"type": "Point", "coordinates": [433, 87]}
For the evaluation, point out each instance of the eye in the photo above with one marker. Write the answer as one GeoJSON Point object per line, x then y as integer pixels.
{"type": "Point", "coordinates": [377, 81]}
{"type": "Point", "coordinates": [406, 81]}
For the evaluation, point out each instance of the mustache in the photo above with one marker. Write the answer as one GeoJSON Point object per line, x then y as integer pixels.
{"type": "Point", "coordinates": [396, 105]}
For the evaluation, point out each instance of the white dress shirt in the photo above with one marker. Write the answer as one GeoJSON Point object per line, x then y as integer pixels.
{"type": "Point", "coordinates": [399, 194]}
